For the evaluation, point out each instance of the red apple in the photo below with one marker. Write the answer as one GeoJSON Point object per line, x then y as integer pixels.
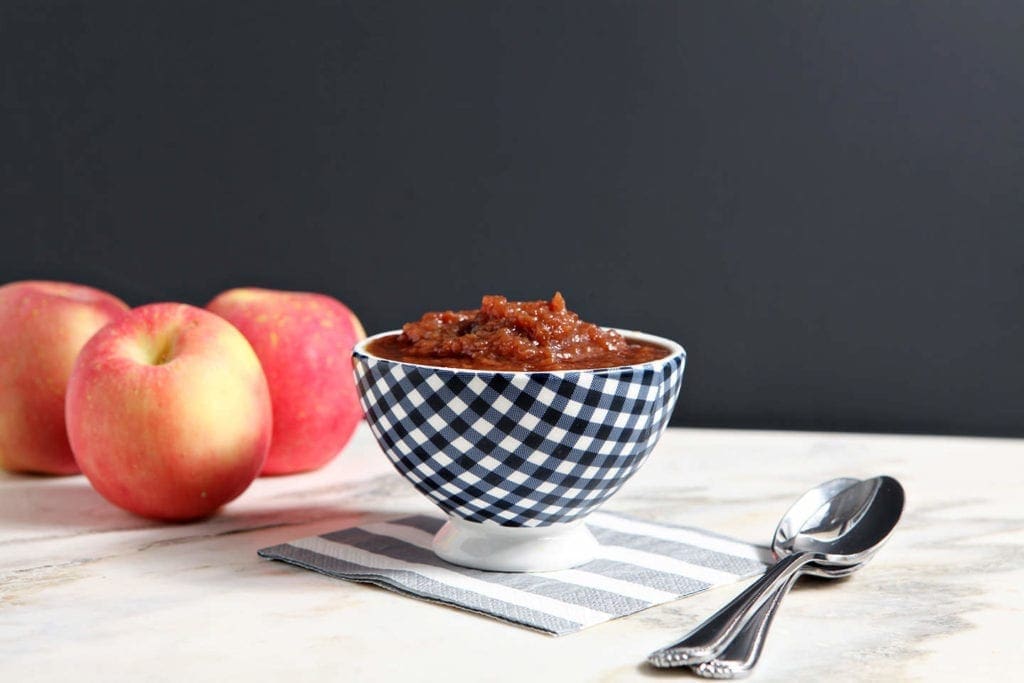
{"type": "Point", "coordinates": [168, 412]}
{"type": "Point", "coordinates": [43, 326]}
{"type": "Point", "coordinates": [304, 342]}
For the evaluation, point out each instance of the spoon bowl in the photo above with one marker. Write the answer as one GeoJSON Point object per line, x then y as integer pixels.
{"type": "Point", "coordinates": [849, 526]}
{"type": "Point", "coordinates": [805, 507]}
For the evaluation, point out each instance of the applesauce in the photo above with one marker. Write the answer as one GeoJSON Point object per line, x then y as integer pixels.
{"type": "Point", "coordinates": [505, 335]}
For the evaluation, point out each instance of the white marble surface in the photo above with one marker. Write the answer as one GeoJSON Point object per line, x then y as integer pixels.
{"type": "Point", "coordinates": [88, 592]}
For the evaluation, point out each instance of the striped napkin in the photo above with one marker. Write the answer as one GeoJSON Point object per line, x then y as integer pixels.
{"type": "Point", "coordinates": [639, 564]}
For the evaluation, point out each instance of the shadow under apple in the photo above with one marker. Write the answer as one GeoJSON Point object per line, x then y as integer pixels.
{"type": "Point", "coordinates": [64, 504]}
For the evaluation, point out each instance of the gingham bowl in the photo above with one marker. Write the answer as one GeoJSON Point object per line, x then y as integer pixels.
{"type": "Point", "coordinates": [517, 459]}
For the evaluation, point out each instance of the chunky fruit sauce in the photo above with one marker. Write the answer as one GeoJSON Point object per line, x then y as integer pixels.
{"type": "Point", "coordinates": [513, 335]}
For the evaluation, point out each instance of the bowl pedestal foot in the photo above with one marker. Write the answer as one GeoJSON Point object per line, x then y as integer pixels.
{"type": "Point", "coordinates": [499, 548]}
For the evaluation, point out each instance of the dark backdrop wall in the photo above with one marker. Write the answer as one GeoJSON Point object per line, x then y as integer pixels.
{"type": "Point", "coordinates": [823, 201]}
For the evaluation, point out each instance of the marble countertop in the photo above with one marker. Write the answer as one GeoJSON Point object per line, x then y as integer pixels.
{"type": "Point", "coordinates": [90, 592]}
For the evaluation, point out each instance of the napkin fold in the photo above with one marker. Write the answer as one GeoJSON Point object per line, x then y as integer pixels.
{"type": "Point", "coordinates": [639, 564]}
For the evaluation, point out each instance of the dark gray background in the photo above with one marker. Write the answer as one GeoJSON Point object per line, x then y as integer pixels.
{"type": "Point", "coordinates": [823, 201]}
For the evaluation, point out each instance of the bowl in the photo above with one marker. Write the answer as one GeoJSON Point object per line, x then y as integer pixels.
{"type": "Point", "coordinates": [517, 460]}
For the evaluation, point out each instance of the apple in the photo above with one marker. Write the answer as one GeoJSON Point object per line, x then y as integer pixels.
{"type": "Point", "coordinates": [43, 326]}
{"type": "Point", "coordinates": [168, 412]}
{"type": "Point", "coordinates": [304, 342]}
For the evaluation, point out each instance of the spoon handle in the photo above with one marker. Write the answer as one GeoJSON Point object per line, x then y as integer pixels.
{"type": "Point", "coordinates": [741, 654]}
{"type": "Point", "coordinates": [710, 639]}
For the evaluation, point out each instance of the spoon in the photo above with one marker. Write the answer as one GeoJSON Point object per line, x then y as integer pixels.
{"type": "Point", "coordinates": [741, 654]}
{"type": "Point", "coordinates": [846, 530]}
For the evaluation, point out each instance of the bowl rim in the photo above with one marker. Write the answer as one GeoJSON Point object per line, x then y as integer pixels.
{"type": "Point", "coordinates": [675, 350]}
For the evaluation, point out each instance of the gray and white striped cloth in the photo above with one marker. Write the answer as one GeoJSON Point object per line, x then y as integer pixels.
{"type": "Point", "coordinates": [639, 564]}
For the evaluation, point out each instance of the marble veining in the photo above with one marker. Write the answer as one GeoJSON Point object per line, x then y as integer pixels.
{"type": "Point", "coordinates": [92, 592]}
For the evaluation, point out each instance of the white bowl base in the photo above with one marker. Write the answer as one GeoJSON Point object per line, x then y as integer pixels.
{"type": "Point", "coordinates": [499, 548]}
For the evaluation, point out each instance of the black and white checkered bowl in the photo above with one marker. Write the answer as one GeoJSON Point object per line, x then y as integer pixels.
{"type": "Point", "coordinates": [518, 449]}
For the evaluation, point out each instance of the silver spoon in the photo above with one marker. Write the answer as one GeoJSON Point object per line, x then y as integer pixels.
{"type": "Point", "coordinates": [742, 653]}
{"type": "Point", "coordinates": [845, 530]}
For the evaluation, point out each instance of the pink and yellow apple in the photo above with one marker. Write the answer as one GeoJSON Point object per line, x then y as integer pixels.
{"type": "Point", "coordinates": [168, 412]}
{"type": "Point", "coordinates": [43, 326]}
{"type": "Point", "coordinates": [304, 342]}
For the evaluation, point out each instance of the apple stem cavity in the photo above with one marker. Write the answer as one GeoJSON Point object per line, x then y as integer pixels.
{"type": "Point", "coordinates": [158, 351]}
{"type": "Point", "coordinates": [165, 353]}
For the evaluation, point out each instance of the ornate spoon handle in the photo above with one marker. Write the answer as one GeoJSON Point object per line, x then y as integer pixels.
{"type": "Point", "coordinates": [710, 639]}
{"type": "Point", "coordinates": [741, 655]}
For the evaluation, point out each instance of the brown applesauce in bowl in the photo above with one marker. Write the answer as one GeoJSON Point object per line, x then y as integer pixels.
{"type": "Point", "coordinates": [505, 335]}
